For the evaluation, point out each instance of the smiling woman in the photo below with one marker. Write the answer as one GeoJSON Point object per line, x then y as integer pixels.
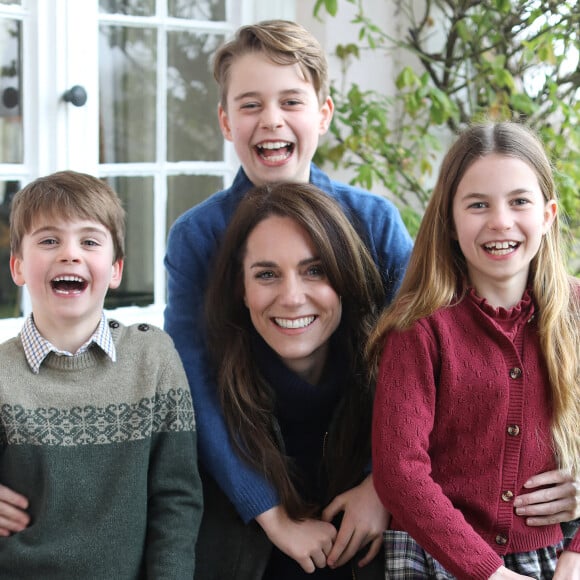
{"type": "Point", "coordinates": [292, 298]}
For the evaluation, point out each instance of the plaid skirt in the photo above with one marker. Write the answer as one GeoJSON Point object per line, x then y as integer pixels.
{"type": "Point", "coordinates": [406, 560]}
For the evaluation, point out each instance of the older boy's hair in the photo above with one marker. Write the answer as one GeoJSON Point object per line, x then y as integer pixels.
{"type": "Point", "coordinates": [67, 195]}
{"type": "Point", "coordinates": [284, 43]}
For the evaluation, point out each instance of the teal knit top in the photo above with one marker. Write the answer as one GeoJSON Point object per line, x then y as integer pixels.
{"type": "Point", "coordinates": [106, 454]}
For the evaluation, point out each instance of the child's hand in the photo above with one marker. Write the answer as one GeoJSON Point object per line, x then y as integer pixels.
{"type": "Point", "coordinates": [13, 518]}
{"type": "Point", "coordinates": [504, 574]}
{"type": "Point", "coordinates": [551, 505]}
{"type": "Point", "coordinates": [363, 523]}
{"type": "Point", "coordinates": [568, 567]}
{"type": "Point", "coordinates": [308, 542]}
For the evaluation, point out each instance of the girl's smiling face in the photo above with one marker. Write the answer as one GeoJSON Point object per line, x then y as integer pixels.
{"type": "Point", "coordinates": [500, 216]}
{"type": "Point", "coordinates": [291, 302]}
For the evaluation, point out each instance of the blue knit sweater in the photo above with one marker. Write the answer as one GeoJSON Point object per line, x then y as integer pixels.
{"type": "Point", "coordinates": [191, 247]}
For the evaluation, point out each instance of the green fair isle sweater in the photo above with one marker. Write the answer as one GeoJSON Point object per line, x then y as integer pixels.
{"type": "Point", "coordinates": [106, 453]}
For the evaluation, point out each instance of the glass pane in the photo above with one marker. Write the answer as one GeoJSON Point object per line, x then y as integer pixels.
{"type": "Point", "coordinates": [199, 10]}
{"type": "Point", "coordinates": [9, 292]}
{"type": "Point", "coordinates": [127, 80]}
{"type": "Point", "coordinates": [136, 288]}
{"type": "Point", "coordinates": [11, 90]}
{"type": "Point", "coordinates": [130, 7]}
{"type": "Point", "coordinates": [11, 2]}
{"type": "Point", "coordinates": [185, 191]}
{"type": "Point", "coordinates": [192, 127]}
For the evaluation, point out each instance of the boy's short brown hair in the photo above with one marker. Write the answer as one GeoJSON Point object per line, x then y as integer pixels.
{"type": "Point", "coordinates": [67, 195]}
{"type": "Point", "coordinates": [284, 43]}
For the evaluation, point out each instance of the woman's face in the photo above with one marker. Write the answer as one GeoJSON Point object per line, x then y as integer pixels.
{"type": "Point", "coordinates": [291, 302]}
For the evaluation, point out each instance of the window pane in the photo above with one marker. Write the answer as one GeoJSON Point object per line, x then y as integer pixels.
{"type": "Point", "coordinates": [11, 2]}
{"type": "Point", "coordinates": [192, 127]}
{"type": "Point", "coordinates": [9, 292]}
{"type": "Point", "coordinates": [200, 10]}
{"type": "Point", "coordinates": [136, 288]}
{"type": "Point", "coordinates": [127, 64]}
{"type": "Point", "coordinates": [10, 89]}
{"type": "Point", "coordinates": [130, 7]}
{"type": "Point", "coordinates": [185, 191]}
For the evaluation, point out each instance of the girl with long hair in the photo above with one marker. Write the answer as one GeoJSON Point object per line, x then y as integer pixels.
{"type": "Point", "coordinates": [478, 387]}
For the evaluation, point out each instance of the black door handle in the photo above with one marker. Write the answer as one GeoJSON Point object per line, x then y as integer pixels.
{"type": "Point", "coordinates": [76, 95]}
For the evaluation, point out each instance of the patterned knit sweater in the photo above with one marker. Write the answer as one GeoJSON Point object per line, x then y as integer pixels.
{"type": "Point", "coordinates": [106, 453]}
{"type": "Point", "coordinates": [462, 420]}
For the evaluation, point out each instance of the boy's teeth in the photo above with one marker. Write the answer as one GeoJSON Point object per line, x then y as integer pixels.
{"type": "Point", "coordinates": [67, 279]}
{"type": "Point", "coordinates": [294, 323]}
{"type": "Point", "coordinates": [274, 145]}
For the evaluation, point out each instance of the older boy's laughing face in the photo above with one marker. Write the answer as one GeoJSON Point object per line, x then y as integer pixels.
{"type": "Point", "coordinates": [67, 266]}
{"type": "Point", "coordinates": [273, 118]}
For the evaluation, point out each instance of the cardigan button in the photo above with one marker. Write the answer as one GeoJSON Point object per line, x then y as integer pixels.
{"type": "Point", "coordinates": [143, 327]}
{"type": "Point", "coordinates": [507, 495]}
{"type": "Point", "coordinates": [515, 373]}
{"type": "Point", "coordinates": [501, 540]}
{"type": "Point", "coordinates": [513, 430]}
{"type": "Point", "coordinates": [113, 324]}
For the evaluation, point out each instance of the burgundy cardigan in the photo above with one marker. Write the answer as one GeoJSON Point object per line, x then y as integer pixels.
{"type": "Point", "coordinates": [461, 421]}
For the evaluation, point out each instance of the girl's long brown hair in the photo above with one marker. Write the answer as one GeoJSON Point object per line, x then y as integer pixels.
{"type": "Point", "coordinates": [246, 399]}
{"type": "Point", "coordinates": [437, 266]}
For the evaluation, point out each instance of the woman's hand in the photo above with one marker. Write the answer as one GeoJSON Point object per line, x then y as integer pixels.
{"type": "Point", "coordinates": [363, 523]}
{"type": "Point", "coordinates": [308, 542]}
{"type": "Point", "coordinates": [551, 505]}
{"type": "Point", "coordinates": [568, 567]}
{"type": "Point", "coordinates": [13, 518]}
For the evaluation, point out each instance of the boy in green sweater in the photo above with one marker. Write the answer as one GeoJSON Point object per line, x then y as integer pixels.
{"type": "Point", "coordinates": [97, 427]}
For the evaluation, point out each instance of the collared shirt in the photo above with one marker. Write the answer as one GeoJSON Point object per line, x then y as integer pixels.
{"type": "Point", "coordinates": [37, 348]}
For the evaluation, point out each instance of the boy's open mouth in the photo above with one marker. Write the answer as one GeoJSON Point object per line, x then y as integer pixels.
{"type": "Point", "coordinates": [275, 150]}
{"type": "Point", "coordinates": [68, 284]}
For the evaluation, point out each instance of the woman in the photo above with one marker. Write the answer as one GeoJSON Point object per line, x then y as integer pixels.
{"type": "Point", "coordinates": [292, 299]}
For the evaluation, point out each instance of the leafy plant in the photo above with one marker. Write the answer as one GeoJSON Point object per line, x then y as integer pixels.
{"type": "Point", "coordinates": [475, 59]}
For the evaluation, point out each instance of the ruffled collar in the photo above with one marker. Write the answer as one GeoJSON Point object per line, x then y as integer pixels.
{"type": "Point", "coordinates": [525, 307]}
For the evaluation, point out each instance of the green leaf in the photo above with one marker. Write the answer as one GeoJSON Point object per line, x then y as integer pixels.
{"type": "Point", "coordinates": [503, 6]}
{"type": "Point", "coordinates": [504, 79]}
{"type": "Point", "coordinates": [331, 6]}
{"type": "Point", "coordinates": [406, 78]}
{"type": "Point", "coordinates": [523, 104]}
{"type": "Point", "coordinates": [462, 30]}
